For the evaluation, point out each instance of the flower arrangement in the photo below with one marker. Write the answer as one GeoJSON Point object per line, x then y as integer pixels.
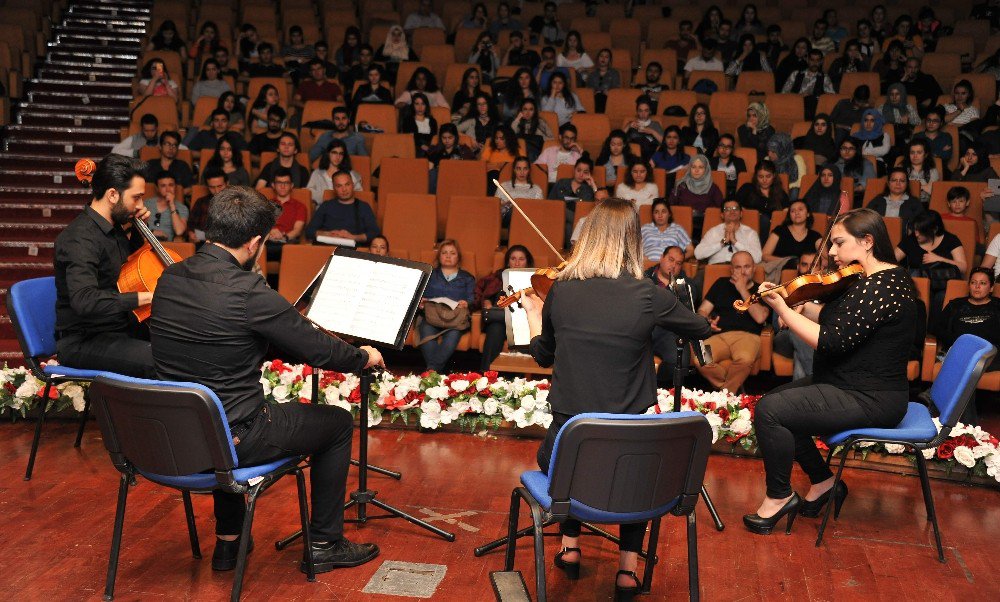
{"type": "Point", "coordinates": [476, 401]}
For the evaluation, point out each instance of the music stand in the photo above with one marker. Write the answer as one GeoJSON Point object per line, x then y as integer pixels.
{"type": "Point", "coordinates": [372, 299]}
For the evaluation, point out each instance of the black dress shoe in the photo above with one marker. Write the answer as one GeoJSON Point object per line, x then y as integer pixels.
{"type": "Point", "coordinates": [813, 508]}
{"type": "Point", "coordinates": [224, 557]}
{"type": "Point", "coordinates": [340, 554]}
{"type": "Point", "coordinates": [763, 526]}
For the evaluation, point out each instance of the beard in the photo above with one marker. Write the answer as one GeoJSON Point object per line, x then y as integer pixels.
{"type": "Point", "coordinates": [250, 263]}
{"type": "Point", "coordinates": [120, 214]}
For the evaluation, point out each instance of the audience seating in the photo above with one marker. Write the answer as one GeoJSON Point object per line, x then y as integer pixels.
{"type": "Point", "coordinates": [474, 223]}
{"type": "Point", "coordinates": [550, 218]}
{"type": "Point", "coordinates": [465, 178]}
{"type": "Point", "coordinates": [409, 221]}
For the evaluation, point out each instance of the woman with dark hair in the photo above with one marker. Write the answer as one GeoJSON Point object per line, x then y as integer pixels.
{"type": "Point", "coordinates": [891, 65]}
{"type": "Point", "coordinates": [863, 340]}
{"type": "Point", "coordinates": [230, 161]}
{"type": "Point", "coordinates": [671, 155]}
{"type": "Point", "coordinates": [757, 130]}
{"type": "Point", "coordinates": [615, 153]}
{"type": "Point", "coordinates": [974, 166]}
{"type": "Point", "coordinates": [448, 147]}
{"type": "Point", "coordinates": [372, 91]}
{"type": "Point", "coordinates": [764, 192]}
{"type": "Point", "coordinates": [637, 185]}
{"type": "Point", "coordinates": [601, 78]}
{"type": "Point", "coordinates": [852, 61]}
{"type": "Point", "coordinates": [559, 99]}
{"type": "Point", "coordinates": [530, 128]}
{"type": "Point", "coordinates": [573, 55]}
{"type": "Point", "coordinates": [230, 103]}
{"type": "Point", "coordinates": [934, 253]}
{"type": "Point", "coordinates": [167, 38]}
{"type": "Point", "coordinates": [797, 60]}
{"type": "Point", "coordinates": [487, 293]}
{"type": "Point", "coordinates": [962, 108]}
{"type": "Point", "coordinates": [793, 237]}
{"type": "Point", "coordinates": [919, 165]}
{"type": "Point", "coordinates": [461, 102]}
{"type": "Point", "coordinates": [417, 120]}
{"type": "Point", "coordinates": [700, 132]}
{"type": "Point", "coordinates": [824, 195]}
{"type": "Point", "coordinates": [819, 139]}
{"type": "Point", "coordinates": [709, 25]}
{"type": "Point", "coordinates": [520, 86]}
{"type": "Point", "coordinates": [483, 120]}
{"type": "Point", "coordinates": [484, 54]}
{"type": "Point", "coordinates": [750, 58]}
{"type": "Point", "coordinates": [154, 80]}
{"type": "Point", "coordinates": [424, 82]}
{"type": "Point", "coordinates": [519, 186]}
{"type": "Point", "coordinates": [500, 149]}
{"type": "Point", "coordinates": [664, 232]}
{"type": "Point", "coordinates": [906, 34]}
{"type": "Point", "coordinates": [477, 19]}
{"type": "Point", "coordinates": [978, 314]}
{"type": "Point", "coordinates": [206, 44]}
{"type": "Point", "coordinates": [879, 20]}
{"type": "Point", "coordinates": [749, 23]}
{"type": "Point", "coordinates": [852, 165]}
{"type": "Point", "coordinates": [379, 245]}
{"type": "Point", "coordinates": [267, 97]}
{"type": "Point", "coordinates": [725, 161]}
{"type": "Point", "coordinates": [347, 56]}
{"type": "Point", "coordinates": [333, 160]}
{"type": "Point", "coordinates": [896, 202]}
{"type": "Point", "coordinates": [210, 84]}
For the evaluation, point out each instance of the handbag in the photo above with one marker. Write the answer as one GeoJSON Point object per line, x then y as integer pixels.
{"type": "Point", "coordinates": [441, 316]}
{"type": "Point", "coordinates": [939, 273]}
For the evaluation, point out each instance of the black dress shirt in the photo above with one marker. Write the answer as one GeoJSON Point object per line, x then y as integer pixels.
{"type": "Point", "coordinates": [89, 254]}
{"type": "Point", "coordinates": [597, 335]}
{"type": "Point", "coordinates": [212, 323]}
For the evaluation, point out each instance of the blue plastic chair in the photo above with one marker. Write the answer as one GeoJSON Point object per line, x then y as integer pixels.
{"type": "Point", "coordinates": [618, 469]}
{"type": "Point", "coordinates": [948, 397]}
{"type": "Point", "coordinates": [31, 305]}
{"type": "Point", "coordinates": [176, 435]}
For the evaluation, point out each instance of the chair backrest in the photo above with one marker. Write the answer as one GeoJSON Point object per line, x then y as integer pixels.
{"type": "Point", "coordinates": [299, 265]}
{"type": "Point", "coordinates": [162, 428]}
{"type": "Point", "coordinates": [31, 305]}
{"type": "Point", "coordinates": [960, 372]}
{"type": "Point", "coordinates": [636, 465]}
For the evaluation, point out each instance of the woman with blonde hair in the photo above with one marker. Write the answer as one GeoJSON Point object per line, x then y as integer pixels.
{"type": "Point", "coordinates": [448, 280]}
{"type": "Point", "coordinates": [595, 326]}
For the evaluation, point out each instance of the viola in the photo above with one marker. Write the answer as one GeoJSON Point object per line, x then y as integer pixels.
{"type": "Point", "coordinates": [808, 287]}
{"type": "Point", "coordinates": [144, 267]}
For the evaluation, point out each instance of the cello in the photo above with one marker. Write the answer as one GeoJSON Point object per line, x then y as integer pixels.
{"type": "Point", "coordinates": [144, 267]}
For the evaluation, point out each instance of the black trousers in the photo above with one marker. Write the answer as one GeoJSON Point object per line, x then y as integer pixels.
{"type": "Point", "coordinates": [631, 535]}
{"type": "Point", "coordinates": [788, 418]}
{"type": "Point", "coordinates": [117, 352]}
{"type": "Point", "coordinates": [288, 429]}
{"type": "Point", "coordinates": [496, 335]}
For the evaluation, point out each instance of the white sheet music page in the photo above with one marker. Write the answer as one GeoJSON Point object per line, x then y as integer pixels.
{"type": "Point", "coordinates": [365, 299]}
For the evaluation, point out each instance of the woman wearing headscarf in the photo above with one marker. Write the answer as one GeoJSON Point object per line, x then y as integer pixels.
{"type": "Point", "coordinates": [696, 190]}
{"type": "Point", "coordinates": [757, 130]}
{"type": "Point", "coordinates": [782, 153]}
{"type": "Point", "coordinates": [824, 195]}
{"type": "Point", "coordinates": [395, 51]}
{"type": "Point", "coordinates": [819, 139]}
{"type": "Point", "coordinates": [974, 166]}
{"type": "Point", "coordinates": [874, 140]}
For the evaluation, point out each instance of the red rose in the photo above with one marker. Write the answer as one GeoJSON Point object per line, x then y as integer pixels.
{"type": "Point", "coordinates": [307, 371]}
{"type": "Point", "coordinates": [946, 450]}
{"type": "Point", "coordinates": [711, 406]}
{"type": "Point", "coordinates": [425, 374]}
{"type": "Point", "coordinates": [544, 386]}
{"type": "Point", "coordinates": [276, 365]}
{"type": "Point", "coordinates": [304, 400]}
{"type": "Point", "coordinates": [10, 387]}
{"type": "Point", "coordinates": [724, 414]}
{"type": "Point", "coordinates": [53, 392]}
{"type": "Point", "coordinates": [492, 376]}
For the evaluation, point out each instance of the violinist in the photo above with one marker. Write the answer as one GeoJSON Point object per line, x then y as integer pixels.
{"type": "Point", "coordinates": [862, 340]}
{"type": "Point", "coordinates": [212, 323]}
{"type": "Point", "coordinates": [95, 328]}
{"type": "Point", "coordinates": [595, 327]}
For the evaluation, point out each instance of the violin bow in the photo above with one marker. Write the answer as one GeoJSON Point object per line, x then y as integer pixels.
{"type": "Point", "coordinates": [826, 237]}
{"type": "Point", "coordinates": [511, 200]}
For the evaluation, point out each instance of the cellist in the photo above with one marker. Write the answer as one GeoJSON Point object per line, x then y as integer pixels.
{"type": "Point", "coordinates": [95, 328]}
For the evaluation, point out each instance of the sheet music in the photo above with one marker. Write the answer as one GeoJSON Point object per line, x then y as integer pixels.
{"type": "Point", "coordinates": [363, 298]}
{"type": "Point", "coordinates": [518, 333]}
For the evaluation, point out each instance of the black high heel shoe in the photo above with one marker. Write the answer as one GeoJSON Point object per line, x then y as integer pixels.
{"type": "Point", "coordinates": [763, 526]}
{"type": "Point", "coordinates": [812, 509]}
{"type": "Point", "coordinates": [625, 594]}
{"type": "Point", "coordinates": [572, 569]}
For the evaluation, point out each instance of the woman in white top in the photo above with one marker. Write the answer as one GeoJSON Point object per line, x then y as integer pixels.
{"type": "Point", "coordinates": [573, 55]}
{"type": "Point", "coordinates": [333, 160]}
{"type": "Point", "coordinates": [875, 140]}
{"type": "Point", "coordinates": [423, 81]}
{"type": "Point", "coordinates": [560, 99]}
{"type": "Point", "coordinates": [663, 233]}
{"type": "Point", "coordinates": [961, 110]}
{"type": "Point", "coordinates": [637, 185]}
{"type": "Point", "coordinates": [519, 186]}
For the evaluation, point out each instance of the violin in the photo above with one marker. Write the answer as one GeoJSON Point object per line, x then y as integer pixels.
{"type": "Point", "coordinates": [543, 278]}
{"type": "Point", "coordinates": [811, 286]}
{"type": "Point", "coordinates": [144, 267]}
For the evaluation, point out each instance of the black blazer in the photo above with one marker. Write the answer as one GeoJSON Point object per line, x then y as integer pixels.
{"type": "Point", "coordinates": [598, 335]}
{"type": "Point", "coordinates": [910, 209]}
{"type": "Point", "coordinates": [709, 138]}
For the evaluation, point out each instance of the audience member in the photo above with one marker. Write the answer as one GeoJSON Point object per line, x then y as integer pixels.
{"type": "Point", "coordinates": [518, 54]}
{"type": "Point", "coordinates": [220, 131]}
{"type": "Point", "coordinates": [343, 131]}
{"type": "Point", "coordinates": [167, 214]}
{"type": "Point", "coordinates": [379, 246]}
{"type": "Point", "coordinates": [728, 163]}
{"type": "Point", "coordinates": [670, 156]}
{"type": "Point", "coordinates": [216, 181]}
{"type": "Point", "coordinates": [615, 153]}
{"type": "Point", "coordinates": [560, 99]}
{"type": "Point", "coordinates": [373, 91]}
{"type": "Point", "coordinates": [896, 202]}
{"type": "Point", "coordinates": [230, 162]}
{"type": "Point", "coordinates": [652, 86]}
{"type": "Point", "coordinates": [919, 164]}
{"type": "Point", "coordinates": [810, 82]}
{"type": "Point", "coordinates": [394, 51]}
{"type": "Point", "coordinates": [265, 65]}
{"type": "Point", "coordinates": [684, 43]}
{"type": "Point", "coordinates": [168, 161]}
{"type": "Point", "coordinates": [781, 152]}
{"type": "Point", "coordinates": [288, 148]}
{"type": "Point", "coordinates": [824, 195]}
{"type": "Point", "coordinates": [334, 161]}
{"type": "Point", "coordinates": [567, 152]}
{"type": "Point", "coordinates": [848, 111]}
{"type": "Point", "coordinates": [504, 22]}
{"type": "Point", "coordinates": [700, 132]}
{"type": "Point", "coordinates": [852, 61]}
{"type": "Point", "coordinates": [757, 130]}
{"type": "Point", "coordinates": [797, 60]}
{"type": "Point", "coordinates": [488, 291]}
{"type": "Point", "coordinates": [292, 218]}
{"type": "Point", "coordinates": [267, 141]}
{"type": "Point", "coordinates": [519, 186]}
{"type": "Point", "coordinates": [545, 28]}
{"type": "Point", "coordinates": [721, 242]}
{"type": "Point", "coordinates": [638, 186]}
{"type": "Point", "coordinates": [448, 280]}
{"type": "Point", "coordinates": [852, 165]}
{"type": "Point", "coordinates": [899, 111]}
{"type": "Point", "coordinates": [705, 61]}
{"type": "Point", "coordinates": [148, 135]}
{"type": "Point", "coordinates": [424, 82]}
{"type": "Point", "coordinates": [417, 120]}
{"type": "Point", "coordinates": [530, 128]}
{"type": "Point", "coordinates": [922, 86]}
{"type": "Point", "coordinates": [792, 238]}
{"type": "Point", "coordinates": [934, 253]}
{"type": "Point", "coordinates": [819, 140]}
{"type": "Point", "coordinates": [764, 194]}
{"type": "Point", "coordinates": [167, 38]}
{"type": "Point", "coordinates": [462, 101]}
{"type": "Point", "coordinates": [664, 232]}
{"type": "Point", "coordinates": [317, 86]}
{"type": "Point", "coordinates": [958, 209]}
{"type": "Point", "coordinates": [602, 78]}
{"type": "Point", "coordinates": [154, 80]}
{"type": "Point", "coordinates": [424, 16]}
{"type": "Point", "coordinates": [344, 216]}
{"type": "Point", "coordinates": [482, 122]}
{"type": "Point", "coordinates": [267, 97]}
{"type": "Point", "coordinates": [941, 143]}
{"type": "Point", "coordinates": [485, 56]}
{"type": "Point", "coordinates": [210, 84]}
{"type": "Point", "coordinates": [819, 40]}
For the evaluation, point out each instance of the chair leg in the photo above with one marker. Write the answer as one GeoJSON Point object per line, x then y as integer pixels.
{"type": "Point", "coordinates": [43, 407]}
{"type": "Point", "coordinates": [512, 516]}
{"type": "Point", "coordinates": [537, 522]}
{"type": "Point", "coordinates": [694, 593]}
{"type": "Point", "coordinates": [192, 529]}
{"type": "Point", "coordinates": [83, 419]}
{"type": "Point", "coordinates": [829, 455]}
{"type": "Point", "coordinates": [829, 506]}
{"type": "Point", "coordinates": [307, 553]}
{"type": "Point", "coordinates": [654, 536]}
{"type": "Point", "coordinates": [241, 556]}
{"type": "Point", "coordinates": [116, 538]}
{"type": "Point", "coordinates": [925, 484]}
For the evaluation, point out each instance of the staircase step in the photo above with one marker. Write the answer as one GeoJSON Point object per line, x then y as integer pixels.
{"type": "Point", "coordinates": [28, 267]}
{"type": "Point", "coordinates": [44, 194]}
{"type": "Point", "coordinates": [58, 213]}
{"type": "Point", "coordinates": [41, 146]}
{"type": "Point", "coordinates": [10, 352]}
{"type": "Point", "coordinates": [102, 73]}
{"type": "Point", "coordinates": [100, 102]}
{"type": "Point", "coordinates": [79, 87]}
{"type": "Point", "coordinates": [52, 117]}
{"type": "Point", "coordinates": [6, 328]}
{"type": "Point", "coordinates": [16, 250]}
{"type": "Point", "coordinates": [39, 162]}
{"type": "Point", "coordinates": [102, 27]}
{"type": "Point", "coordinates": [60, 136]}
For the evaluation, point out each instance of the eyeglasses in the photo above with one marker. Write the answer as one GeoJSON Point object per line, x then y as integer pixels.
{"type": "Point", "coordinates": [169, 144]}
{"type": "Point", "coordinates": [732, 209]}
{"type": "Point", "coordinates": [849, 149]}
{"type": "Point", "coordinates": [725, 146]}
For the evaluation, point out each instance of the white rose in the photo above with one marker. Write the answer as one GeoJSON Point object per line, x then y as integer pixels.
{"type": "Point", "coordinates": [339, 402]}
{"type": "Point", "coordinates": [715, 422]}
{"type": "Point", "coordinates": [740, 426]}
{"type": "Point", "coordinates": [490, 406]}
{"type": "Point", "coordinates": [27, 389]}
{"type": "Point", "coordinates": [981, 451]}
{"type": "Point", "coordinates": [331, 394]}
{"type": "Point", "coordinates": [286, 378]}
{"type": "Point", "coordinates": [281, 393]}
{"type": "Point", "coordinates": [374, 417]}
{"type": "Point", "coordinates": [345, 389]}
{"type": "Point", "coordinates": [520, 418]}
{"type": "Point", "coordinates": [448, 416]}
{"type": "Point", "coordinates": [438, 392]}
{"type": "Point", "coordinates": [459, 385]}
{"type": "Point", "coordinates": [432, 408]}
{"type": "Point", "coordinates": [963, 455]}
{"type": "Point", "coordinates": [894, 448]}
{"type": "Point", "coordinates": [744, 414]}
{"type": "Point", "coordinates": [865, 444]}
{"type": "Point", "coordinates": [482, 384]}
{"type": "Point", "coordinates": [460, 407]}
{"type": "Point", "coordinates": [266, 385]}
{"type": "Point", "coordinates": [543, 419]}
{"type": "Point", "coordinates": [528, 403]}
{"type": "Point", "coordinates": [507, 411]}
{"type": "Point", "coordinates": [929, 453]}
{"type": "Point", "coordinates": [476, 406]}
{"type": "Point", "coordinates": [76, 395]}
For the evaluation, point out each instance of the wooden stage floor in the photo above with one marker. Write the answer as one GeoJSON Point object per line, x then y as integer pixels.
{"type": "Point", "coordinates": [56, 532]}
